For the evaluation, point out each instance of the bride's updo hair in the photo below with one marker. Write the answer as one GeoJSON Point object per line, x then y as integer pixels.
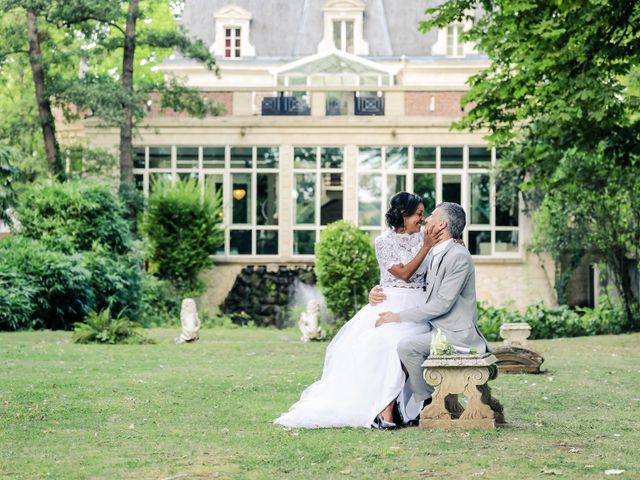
{"type": "Point", "coordinates": [403, 204]}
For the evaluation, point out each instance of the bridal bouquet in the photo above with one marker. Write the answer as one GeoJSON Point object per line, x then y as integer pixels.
{"type": "Point", "coordinates": [440, 346]}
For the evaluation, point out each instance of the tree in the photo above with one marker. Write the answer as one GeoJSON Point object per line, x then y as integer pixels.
{"type": "Point", "coordinates": [116, 46]}
{"type": "Point", "coordinates": [559, 96]}
{"type": "Point", "coordinates": [22, 34]}
{"type": "Point", "coordinates": [121, 99]}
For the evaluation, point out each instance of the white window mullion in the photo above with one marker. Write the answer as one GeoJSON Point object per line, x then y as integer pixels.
{"type": "Point", "coordinates": [318, 194]}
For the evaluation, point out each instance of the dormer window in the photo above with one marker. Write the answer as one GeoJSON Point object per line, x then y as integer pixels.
{"type": "Point", "coordinates": [232, 33]}
{"type": "Point", "coordinates": [449, 41]}
{"type": "Point", "coordinates": [455, 47]}
{"type": "Point", "coordinates": [344, 27]}
{"type": "Point", "coordinates": [232, 41]}
{"type": "Point", "coordinates": [343, 35]}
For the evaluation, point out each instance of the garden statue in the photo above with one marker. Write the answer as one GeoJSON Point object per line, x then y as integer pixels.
{"type": "Point", "coordinates": [190, 322]}
{"type": "Point", "coordinates": [309, 322]}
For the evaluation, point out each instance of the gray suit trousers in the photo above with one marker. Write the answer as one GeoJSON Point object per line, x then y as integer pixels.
{"type": "Point", "coordinates": [413, 351]}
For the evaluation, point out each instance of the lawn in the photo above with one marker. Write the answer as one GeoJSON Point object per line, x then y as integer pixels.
{"type": "Point", "coordinates": [205, 410]}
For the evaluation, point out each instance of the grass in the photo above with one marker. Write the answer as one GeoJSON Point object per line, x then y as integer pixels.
{"type": "Point", "coordinates": [205, 410]}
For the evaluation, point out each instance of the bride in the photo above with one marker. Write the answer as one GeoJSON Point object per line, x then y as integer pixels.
{"type": "Point", "coordinates": [362, 376]}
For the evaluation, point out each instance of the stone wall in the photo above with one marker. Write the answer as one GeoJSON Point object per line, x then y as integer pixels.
{"type": "Point", "coordinates": [261, 293]}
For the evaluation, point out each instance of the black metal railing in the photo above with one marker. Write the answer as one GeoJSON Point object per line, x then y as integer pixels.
{"type": "Point", "coordinates": [281, 105]}
{"type": "Point", "coordinates": [369, 105]}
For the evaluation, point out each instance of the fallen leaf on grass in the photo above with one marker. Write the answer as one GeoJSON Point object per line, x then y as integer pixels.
{"type": "Point", "coordinates": [346, 471]}
{"type": "Point", "coordinates": [551, 471]}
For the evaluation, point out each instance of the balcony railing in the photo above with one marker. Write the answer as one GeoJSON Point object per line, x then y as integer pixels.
{"type": "Point", "coordinates": [348, 103]}
{"type": "Point", "coordinates": [281, 105]}
{"type": "Point", "coordinates": [370, 105]}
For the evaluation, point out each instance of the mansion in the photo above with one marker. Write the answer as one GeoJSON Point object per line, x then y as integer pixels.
{"type": "Point", "coordinates": [331, 107]}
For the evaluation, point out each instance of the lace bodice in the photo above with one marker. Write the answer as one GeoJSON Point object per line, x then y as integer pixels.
{"type": "Point", "coordinates": [394, 248]}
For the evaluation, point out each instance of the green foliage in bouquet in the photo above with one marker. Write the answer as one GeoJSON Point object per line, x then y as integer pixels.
{"type": "Point", "coordinates": [346, 268]}
{"type": "Point", "coordinates": [183, 230]}
{"type": "Point", "coordinates": [102, 328]}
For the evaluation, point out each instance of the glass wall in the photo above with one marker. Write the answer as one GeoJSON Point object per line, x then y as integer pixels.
{"type": "Point", "coordinates": [382, 172]}
{"type": "Point", "coordinates": [318, 193]}
{"type": "Point", "coordinates": [460, 174]}
{"type": "Point", "coordinates": [248, 179]}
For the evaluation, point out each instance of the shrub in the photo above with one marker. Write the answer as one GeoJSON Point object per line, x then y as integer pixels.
{"type": "Point", "coordinates": [74, 215]}
{"type": "Point", "coordinates": [607, 318]}
{"type": "Point", "coordinates": [182, 229]}
{"type": "Point", "coordinates": [160, 302]}
{"type": "Point", "coordinates": [16, 301]}
{"type": "Point", "coordinates": [490, 318]}
{"type": "Point", "coordinates": [346, 268]}
{"type": "Point", "coordinates": [60, 284]}
{"type": "Point", "coordinates": [116, 281]}
{"type": "Point", "coordinates": [102, 328]}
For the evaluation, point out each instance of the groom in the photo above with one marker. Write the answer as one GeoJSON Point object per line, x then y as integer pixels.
{"type": "Point", "coordinates": [450, 299]}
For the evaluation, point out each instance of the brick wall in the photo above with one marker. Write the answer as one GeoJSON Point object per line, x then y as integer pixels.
{"type": "Point", "coordinates": [223, 98]}
{"type": "Point", "coordinates": [446, 104]}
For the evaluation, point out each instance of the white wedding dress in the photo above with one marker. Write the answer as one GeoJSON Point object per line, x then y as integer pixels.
{"type": "Point", "coordinates": [362, 373]}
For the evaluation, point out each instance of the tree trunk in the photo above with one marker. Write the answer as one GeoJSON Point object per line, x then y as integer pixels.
{"type": "Point", "coordinates": [47, 122]}
{"type": "Point", "coordinates": [126, 129]}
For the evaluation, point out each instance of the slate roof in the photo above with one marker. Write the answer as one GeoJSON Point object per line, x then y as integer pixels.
{"type": "Point", "coordinates": [289, 29]}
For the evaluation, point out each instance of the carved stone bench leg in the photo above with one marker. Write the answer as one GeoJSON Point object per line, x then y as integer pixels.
{"type": "Point", "coordinates": [467, 375]}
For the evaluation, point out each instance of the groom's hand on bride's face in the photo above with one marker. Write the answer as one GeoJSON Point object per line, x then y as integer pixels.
{"type": "Point", "coordinates": [387, 317]}
{"type": "Point", "coordinates": [376, 295]}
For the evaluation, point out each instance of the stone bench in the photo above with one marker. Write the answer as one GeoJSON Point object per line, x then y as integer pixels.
{"type": "Point", "coordinates": [452, 375]}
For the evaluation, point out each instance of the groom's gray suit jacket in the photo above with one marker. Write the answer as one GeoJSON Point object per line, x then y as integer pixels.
{"type": "Point", "coordinates": [451, 299]}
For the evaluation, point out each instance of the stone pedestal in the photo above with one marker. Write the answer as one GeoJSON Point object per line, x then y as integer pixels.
{"type": "Point", "coordinates": [515, 334]}
{"type": "Point", "coordinates": [452, 375]}
{"type": "Point", "coordinates": [514, 356]}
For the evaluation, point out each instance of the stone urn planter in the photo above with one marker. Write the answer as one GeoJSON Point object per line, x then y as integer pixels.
{"type": "Point", "coordinates": [515, 356]}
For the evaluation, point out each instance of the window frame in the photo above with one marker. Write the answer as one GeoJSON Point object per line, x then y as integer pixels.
{"type": "Point", "coordinates": [318, 170]}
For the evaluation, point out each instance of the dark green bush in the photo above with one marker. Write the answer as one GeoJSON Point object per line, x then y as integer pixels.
{"type": "Point", "coordinates": [116, 281]}
{"type": "Point", "coordinates": [346, 268]}
{"type": "Point", "coordinates": [102, 328]}
{"type": "Point", "coordinates": [183, 231]}
{"type": "Point", "coordinates": [160, 302]}
{"type": "Point", "coordinates": [607, 318]}
{"type": "Point", "coordinates": [490, 318]}
{"type": "Point", "coordinates": [16, 301]}
{"type": "Point", "coordinates": [74, 251]}
{"type": "Point", "coordinates": [74, 215]}
{"type": "Point", "coordinates": [61, 285]}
